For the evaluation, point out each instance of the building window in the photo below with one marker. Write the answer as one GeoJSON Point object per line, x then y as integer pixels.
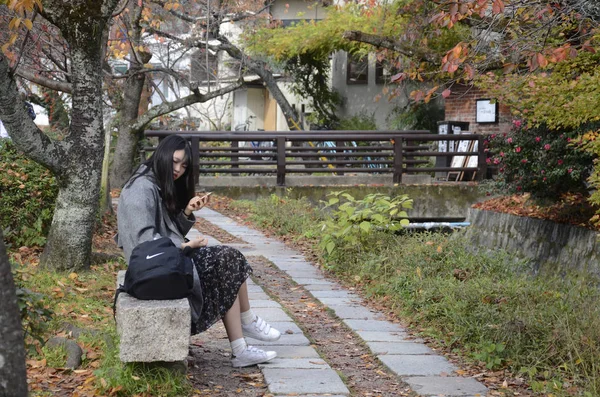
{"type": "Point", "coordinates": [358, 70]}
{"type": "Point", "coordinates": [383, 73]}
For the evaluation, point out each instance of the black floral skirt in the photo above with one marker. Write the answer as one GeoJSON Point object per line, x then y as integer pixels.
{"type": "Point", "coordinates": [222, 271]}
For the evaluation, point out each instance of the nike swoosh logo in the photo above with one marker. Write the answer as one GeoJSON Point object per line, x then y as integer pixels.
{"type": "Point", "coordinates": [152, 256]}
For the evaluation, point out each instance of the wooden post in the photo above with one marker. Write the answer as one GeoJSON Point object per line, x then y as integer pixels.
{"type": "Point", "coordinates": [236, 159]}
{"type": "Point", "coordinates": [481, 159]}
{"type": "Point", "coordinates": [339, 143]}
{"type": "Point", "coordinates": [196, 160]}
{"type": "Point", "coordinates": [398, 159]}
{"type": "Point", "coordinates": [280, 143]}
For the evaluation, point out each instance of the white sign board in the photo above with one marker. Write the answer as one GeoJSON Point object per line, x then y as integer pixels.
{"type": "Point", "coordinates": [487, 112]}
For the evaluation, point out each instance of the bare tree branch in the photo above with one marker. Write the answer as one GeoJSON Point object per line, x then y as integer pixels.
{"type": "Point", "coordinates": [168, 107]}
{"type": "Point", "coordinates": [390, 44]}
{"type": "Point", "coordinates": [44, 82]}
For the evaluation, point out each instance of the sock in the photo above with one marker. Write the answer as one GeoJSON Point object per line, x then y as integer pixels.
{"type": "Point", "coordinates": [238, 346]}
{"type": "Point", "coordinates": [248, 317]}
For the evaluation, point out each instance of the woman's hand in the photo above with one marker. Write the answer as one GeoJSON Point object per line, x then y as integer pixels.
{"type": "Point", "coordinates": [198, 242]}
{"type": "Point", "coordinates": [195, 204]}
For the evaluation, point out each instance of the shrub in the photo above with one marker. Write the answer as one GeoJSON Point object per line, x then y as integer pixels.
{"type": "Point", "coordinates": [542, 162]}
{"type": "Point", "coordinates": [352, 220]}
{"type": "Point", "coordinates": [27, 200]}
{"type": "Point", "coordinates": [360, 122]}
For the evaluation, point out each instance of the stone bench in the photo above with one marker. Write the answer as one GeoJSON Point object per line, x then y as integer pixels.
{"type": "Point", "coordinates": [152, 331]}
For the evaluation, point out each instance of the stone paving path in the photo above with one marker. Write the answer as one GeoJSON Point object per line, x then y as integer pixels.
{"type": "Point", "coordinates": [297, 370]}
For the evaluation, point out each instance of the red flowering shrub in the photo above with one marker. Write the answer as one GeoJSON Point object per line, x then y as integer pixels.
{"type": "Point", "coordinates": [539, 161]}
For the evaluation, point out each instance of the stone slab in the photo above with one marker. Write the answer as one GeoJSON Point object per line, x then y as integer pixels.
{"type": "Point", "coordinates": [286, 327]}
{"type": "Point", "coordinates": [312, 281]}
{"type": "Point", "coordinates": [409, 365]}
{"type": "Point", "coordinates": [399, 348]}
{"type": "Point", "coordinates": [287, 265]}
{"type": "Point", "coordinates": [291, 363]}
{"type": "Point", "coordinates": [313, 395]}
{"type": "Point", "coordinates": [345, 301]}
{"type": "Point", "coordinates": [285, 340]}
{"type": "Point", "coordinates": [304, 381]}
{"type": "Point", "coordinates": [271, 314]}
{"type": "Point", "coordinates": [447, 386]}
{"type": "Point", "coordinates": [295, 351]}
{"type": "Point", "coordinates": [258, 296]}
{"type": "Point", "coordinates": [304, 273]}
{"type": "Point", "coordinates": [152, 331]}
{"type": "Point", "coordinates": [331, 293]}
{"type": "Point", "coordinates": [383, 336]}
{"type": "Point", "coordinates": [252, 287]}
{"type": "Point", "coordinates": [290, 256]}
{"type": "Point", "coordinates": [355, 312]}
{"type": "Point", "coordinates": [264, 303]}
{"type": "Point", "coordinates": [372, 325]}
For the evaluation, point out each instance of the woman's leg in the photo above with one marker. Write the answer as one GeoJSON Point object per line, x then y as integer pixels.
{"type": "Point", "coordinates": [233, 322]}
{"type": "Point", "coordinates": [243, 297]}
{"type": "Point", "coordinates": [242, 354]}
{"type": "Point", "coordinates": [252, 325]}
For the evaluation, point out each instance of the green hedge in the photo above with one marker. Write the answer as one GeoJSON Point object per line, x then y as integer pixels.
{"type": "Point", "coordinates": [27, 195]}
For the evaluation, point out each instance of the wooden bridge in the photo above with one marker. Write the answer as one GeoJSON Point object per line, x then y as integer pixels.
{"type": "Point", "coordinates": [336, 152]}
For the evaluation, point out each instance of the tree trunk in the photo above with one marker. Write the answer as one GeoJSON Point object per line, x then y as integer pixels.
{"type": "Point", "coordinates": [13, 374]}
{"type": "Point", "coordinates": [127, 143]}
{"type": "Point", "coordinates": [69, 241]}
{"type": "Point", "coordinates": [128, 138]}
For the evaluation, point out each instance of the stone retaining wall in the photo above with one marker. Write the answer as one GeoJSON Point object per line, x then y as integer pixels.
{"type": "Point", "coordinates": [430, 200]}
{"type": "Point", "coordinates": [550, 245]}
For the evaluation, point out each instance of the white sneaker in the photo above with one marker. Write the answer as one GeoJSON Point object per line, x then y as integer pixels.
{"type": "Point", "coordinates": [252, 356]}
{"type": "Point", "coordinates": [259, 329]}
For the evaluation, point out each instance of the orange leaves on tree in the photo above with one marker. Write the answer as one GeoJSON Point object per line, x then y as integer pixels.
{"type": "Point", "coordinates": [497, 6]}
{"type": "Point", "coordinates": [453, 58]}
{"type": "Point", "coordinates": [172, 5]}
{"type": "Point", "coordinates": [21, 8]}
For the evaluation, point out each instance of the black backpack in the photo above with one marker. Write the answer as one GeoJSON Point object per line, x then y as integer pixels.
{"type": "Point", "coordinates": [158, 270]}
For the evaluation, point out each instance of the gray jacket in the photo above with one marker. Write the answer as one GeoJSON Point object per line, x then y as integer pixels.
{"type": "Point", "coordinates": [142, 215]}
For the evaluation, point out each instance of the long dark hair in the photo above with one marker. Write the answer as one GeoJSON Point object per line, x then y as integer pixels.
{"type": "Point", "coordinates": [175, 193]}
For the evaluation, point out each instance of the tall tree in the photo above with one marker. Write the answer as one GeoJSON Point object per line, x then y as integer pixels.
{"type": "Point", "coordinates": [193, 30]}
{"type": "Point", "coordinates": [75, 160]}
{"type": "Point", "coordinates": [141, 46]}
{"type": "Point", "coordinates": [13, 375]}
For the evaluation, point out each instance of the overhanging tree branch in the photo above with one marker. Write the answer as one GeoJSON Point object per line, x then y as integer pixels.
{"type": "Point", "coordinates": [390, 44]}
{"type": "Point", "coordinates": [168, 107]}
{"type": "Point", "coordinates": [44, 82]}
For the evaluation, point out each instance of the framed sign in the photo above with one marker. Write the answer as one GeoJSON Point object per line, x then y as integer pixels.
{"type": "Point", "coordinates": [487, 111]}
{"type": "Point", "coordinates": [443, 145]}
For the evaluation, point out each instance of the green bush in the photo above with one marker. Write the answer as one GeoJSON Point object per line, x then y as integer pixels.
{"type": "Point", "coordinates": [28, 192]}
{"type": "Point", "coordinates": [352, 220]}
{"type": "Point", "coordinates": [539, 161]}
{"type": "Point", "coordinates": [360, 122]}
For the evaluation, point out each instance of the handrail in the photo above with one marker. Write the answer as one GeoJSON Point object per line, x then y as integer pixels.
{"type": "Point", "coordinates": [396, 152]}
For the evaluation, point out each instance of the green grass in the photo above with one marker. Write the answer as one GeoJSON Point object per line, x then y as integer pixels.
{"type": "Point", "coordinates": [485, 305]}
{"type": "Point", "coordinates": [85, 300]}
{"type": "Point", "coordinates": [282, 215]}
{"type": "Point", "coordinates": [56, 357]}
{"type": "Point", "coordinates": [129, 379]}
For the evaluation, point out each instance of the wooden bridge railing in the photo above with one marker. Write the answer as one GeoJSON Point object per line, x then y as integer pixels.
{"type": "Point", "coordinates": [339, 152]}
